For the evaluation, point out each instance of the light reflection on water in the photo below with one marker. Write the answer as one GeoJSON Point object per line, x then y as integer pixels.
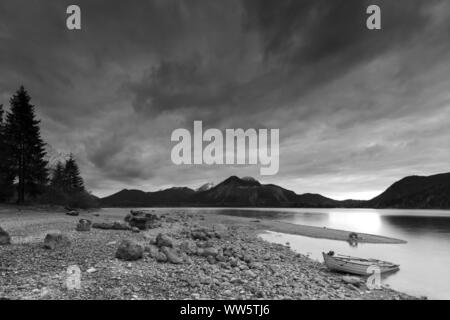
{"type": "Point", "coordinates": [424, 260]}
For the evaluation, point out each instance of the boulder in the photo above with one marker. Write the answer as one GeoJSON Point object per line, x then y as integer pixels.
{"type": "Point", "coordinates": [356, 281]}
{"type": "Point", "coordinates": [142, 220]}
{"type": "Point", "coordinates": [171, 255]}
{"type": "Point", "coordinates": [84, 225]}
{"type": "Point", "coordinates": [72, 213]}
{"type": "Point", "coordinates": [161, 257]}
{"type": "Point", "coordinates": [56, 241]}
{"type": "Point", "coordinates": [199, 235]}
{"type": "Point", "coordinates": [152, 250]}
{"type": "Point", "coordinates": [163, 240]}
{"type": "Point", "coordinates": [210, 251]}
{"type": "Point", "coordinates": [4, 237]}
{"type": "Point", "coordinates": [117, 225]}
{"type": "Point", "coordinates": [220, 258]}
{"type": "Point", "coordinates": [129, 250]}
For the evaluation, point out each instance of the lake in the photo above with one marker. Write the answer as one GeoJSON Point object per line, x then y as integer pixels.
{"type": "Point", "coordinates": [424, 260]}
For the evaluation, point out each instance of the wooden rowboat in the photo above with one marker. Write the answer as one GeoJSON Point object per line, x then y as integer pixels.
{"type": "Point", "coordinates": [357, 266]}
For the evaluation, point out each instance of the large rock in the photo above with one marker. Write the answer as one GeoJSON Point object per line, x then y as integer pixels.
{"type": "Point", "coordinates": [210, 251]}
{"type": "Point", "coordinates": [56, 241]}
{"type": "Point", "coordinates": [160, 257]}
{"type": "Point", "coordinates": [84, 225]}
{"type": "Point", "coordinates": [129, 250]}
{"type": "Point", "coordinates": [142, 220]}
{"type": "Point", "coordinates": [163, 240]}
{"type": "Point", "coordinates": [356, 281]}
{"type": "Point", "coordinates": [171, 255]}
{"type": "Point", "coordinates": [152, 250]}
{"type": "Point", "coordinates": [199, 235]}
{"type": "Point", "coordinates": [72, 213]}
{"type": "Point", "coordinates": [4, 237]}
{"type": "Point", "coordinates": [117, 225]}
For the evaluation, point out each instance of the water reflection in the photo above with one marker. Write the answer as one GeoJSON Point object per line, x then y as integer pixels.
{"type": "Point", "coordinates": [420, 225]}
{"type": "Point", "coordinates": [368, 222]}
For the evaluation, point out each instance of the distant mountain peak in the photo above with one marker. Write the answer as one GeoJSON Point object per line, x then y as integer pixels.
{"type": "Point", "coordinates": [430, 192]}
{"type": "Point", "coordinates": [206, 186]}
{"type": "Point", "coordinates": [244, 182]}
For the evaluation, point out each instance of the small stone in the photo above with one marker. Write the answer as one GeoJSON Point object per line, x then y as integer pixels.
{"type": "Point", "coordinates": [160, 257]}
{"type": "Point", "coordinates": [227, 293]}
{"type": "Point", "coordinates": [135, 229]}
{"type": "Point", "coordinates": [163, 240]}
{"type": "Point", "coordinates": [188, 247]}
{"type": "Point", "coordinates": [255, 265]}
{"type": "Point", "coordinates": [195, 296]}
{"type": "Point", "coordinates": [91, 270]}
{"type": "Point", "coordinates": [250, 274]}
{"type": "Point", "coordinates": [211, 259]}
{"type": "Point", "coordinates": [72, 213]}
{"type": "Point", "coordinates": [171, 255]}
{"type": "Point", "coordinates": [84, 225]}
{"type": "Point", "coordinates": [220, 258]}
{"type": "Point", "coordinates": [5, 238]}
{"type": "Point", "coordinates": [152, 250]}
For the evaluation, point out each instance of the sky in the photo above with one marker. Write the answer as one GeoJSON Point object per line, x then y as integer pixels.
{"type": "Point", "coordinates": [357, 109]}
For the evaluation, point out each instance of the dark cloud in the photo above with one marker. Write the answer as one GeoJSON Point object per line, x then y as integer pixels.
{"type": "Point", "coordinates": [305, 32]}
{"type": "Point", "coordinates": [349, 102]}
{"type": "Point", "coordinates": [304, 44]}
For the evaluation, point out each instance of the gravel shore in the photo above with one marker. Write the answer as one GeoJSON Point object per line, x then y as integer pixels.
{"type": "Point", "coordinates": [221, 258]}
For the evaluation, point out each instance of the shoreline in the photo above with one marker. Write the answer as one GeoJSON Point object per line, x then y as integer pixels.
{"type": "Point", "coordinates": [257, 269]}
{"type": "Point", "coordinates": [305, 230]}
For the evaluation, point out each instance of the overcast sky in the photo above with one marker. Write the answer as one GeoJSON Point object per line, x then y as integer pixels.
{"type": "Point", "coordinates": [356, 109]}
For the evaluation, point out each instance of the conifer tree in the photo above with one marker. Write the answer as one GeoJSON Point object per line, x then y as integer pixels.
{"type": "Point", "coordinates": [73, 182]}
{"type": "Point", "coordinates": [58, 181]}
{"type": "Point", "coordinates": [6, 177]}
{"type": "Point", "coordinates": [26, 147]}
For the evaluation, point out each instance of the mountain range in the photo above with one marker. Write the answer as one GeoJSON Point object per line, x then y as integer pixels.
{"type": "Point", "coordinates": [414, 192]}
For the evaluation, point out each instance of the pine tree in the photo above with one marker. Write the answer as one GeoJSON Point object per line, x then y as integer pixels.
{"type": "Point", "coordinates": [26, 146]}
{"type": "Point", "coordinates": [73, 182]}
{"type": "Point", "coordinates": [57, 182]}
{"type": "Point", "coordinates": [6, 178]}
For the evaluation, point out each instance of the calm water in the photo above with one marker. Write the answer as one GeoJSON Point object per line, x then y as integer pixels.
{"type": "Point", "coordinates": [424, 260]}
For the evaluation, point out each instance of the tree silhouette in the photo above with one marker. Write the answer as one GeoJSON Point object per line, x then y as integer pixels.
{"type": "Point", "coordinates": [6, 177]}
{"type": "Point", "coordinates": [73, 181]}
{"type": "Point", "coordinates": [25, 145]}
{"type": "Point", "coordinates": [57, 182]}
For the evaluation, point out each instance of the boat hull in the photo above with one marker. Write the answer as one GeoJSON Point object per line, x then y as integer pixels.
{"type": "Point", "coordinates": [358, 268]}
